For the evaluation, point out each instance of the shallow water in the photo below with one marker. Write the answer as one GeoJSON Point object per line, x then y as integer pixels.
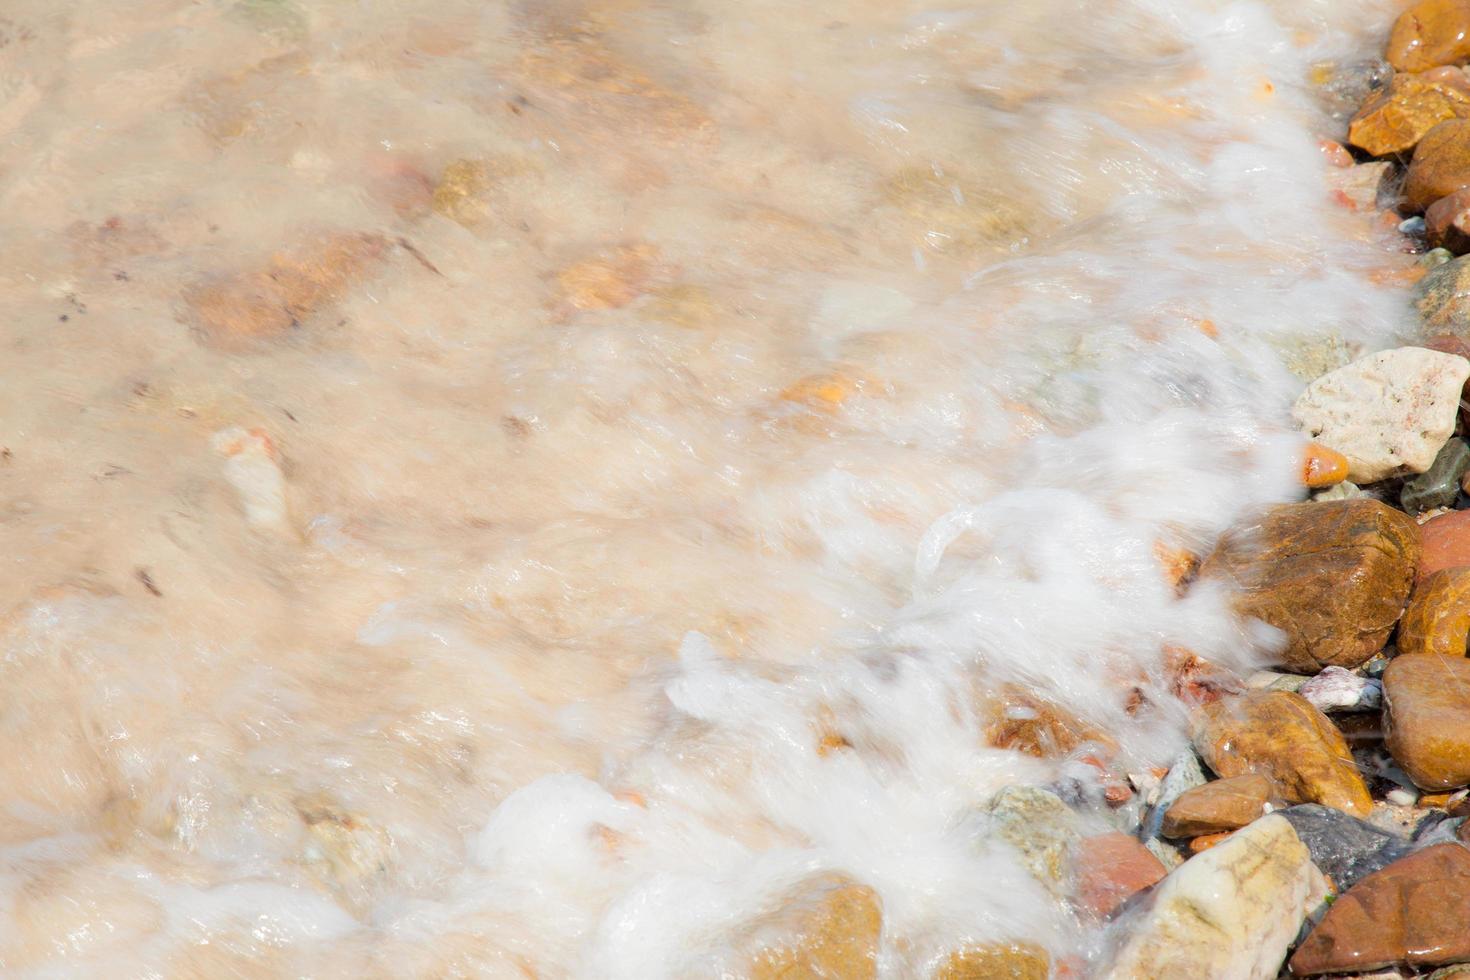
{"type": "Point", "coordinates": [644, 520]}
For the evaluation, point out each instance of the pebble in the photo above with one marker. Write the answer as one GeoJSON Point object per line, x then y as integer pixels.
{"type": "Point", "coordinates": [1441, 164]}
{"type": "Point", "coordinates": [1109, 869]}
{"type": "Point", "coordinates": [1280, 735]}
{"type": "Point", "coordinates": [1344, 847]}
{"type": "Point", "coordinates": [1399, 116]}
{"type": "Point", "coordinates": [1447, 223]}
{"type": "Point", "coordinates": [1323, 467]}
{"type": "Point", "coordinates": [1337, 689]}
{"type": "Point", "coordinates": [836, 923]}
{"type": "Point", "coordinates": [1222, 805]}
{"type": "Point", "coordinates": [1388, 413]}
{"type": "Point", "coordinates": [996, 961]}
{"type": "Point", "coordinates": [1443, 297]}
{"type": "Point", "coordinates": [1413, 913]}
{"type": "Point", "coordinates": [1413, 226]}
{"type": "Point", "coordinates": [1333, 577]}
{"type": "Point", "coordinates": [1438, 618]}
{"type": "Point", "coordinates": [1430, 34]}
{"type": "Point", "coordinates": [1444, 543]}
{"type": "Point", "coordinates": [1440, 484]}
{"type": "Point", "coordinates": [1427, 716]}
{"type": "Point", "coordinates": [1402, 797]}
{"type": "Point", "coordinates": [1231, 911]}
{"type": "Point", "coordinates": [252, 468]}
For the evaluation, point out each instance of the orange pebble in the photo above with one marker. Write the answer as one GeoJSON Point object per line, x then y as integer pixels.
{"type": "Point", "coordinates": [1336, 154]}
{"type": "Point", "coordinates": [1323, 467]}
{"type": "Point", "coordinates": [1206, 842]}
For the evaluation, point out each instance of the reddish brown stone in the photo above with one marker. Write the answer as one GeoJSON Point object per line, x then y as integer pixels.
{"type": "Point", "coordinates": [1426, 703]}
{"type": "Point", "coordinates": [1438, 617]}
{"type": "Point", "coordinates": [1413, 912]}
{"type": "Point", "coordinates": [1444, 543]}
{"type": "Point", "coordinates": [1430, 34]}
{"type": "Point", "coordinates": [1195, 680]}
{"type": "Point", "coordinates": [1023, 722]}
{"type": "Point", "coordinates": [1280, 735]}
{"type": "Point", "coordinates": [1447, 225]}
{"type": "Point", "coordinates": [1441, 164]}
{"type": "Point", "coordinates": [1333, 577]}
{"type": "Point", "coordinates": [1221, 805]}
{"type": "Point", "coordinates": [1204, 842]}
{"type": "Point", "coordinates": [1399, 116]}
{"type": "Point", "coordinates": [1111, 868]}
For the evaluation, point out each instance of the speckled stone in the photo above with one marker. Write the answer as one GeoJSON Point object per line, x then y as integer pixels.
{"type": "Point", "coordinates": [1042, 828]}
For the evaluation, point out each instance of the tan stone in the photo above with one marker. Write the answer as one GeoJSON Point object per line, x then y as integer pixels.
{"type": "Point", "coordinates": [1438, 617]}
{"type": "Point", "coordinates": [1333, 576]}
{"type": "Point", "coordinates": [1221, 805]}
{"type": "Point", "coordinates": [1396, 119]}
{"type": "Point", "coordinates": [1441, 164]}
{"type": "Point", "coordinates": [1429, 34]}
{"type": "Point", "coordinates": [998, 961]}
{"type": "Point", "coordinates": [610, 279]}
{"type": "Point", "coordinates": [1413, 912]}
{"type": "Point", "coordinates": [829, 928]}
{"type": "Point", "coordinates": [1280, 735]}
{"type": "Point", "coordinates": [1231, 911]}
{"type": "Point", "coordinates": [283, 294]}
{"type": "Point", "coordinates": [1023, 722]}
{"type": "Point", "coordinates": [1427, 715]}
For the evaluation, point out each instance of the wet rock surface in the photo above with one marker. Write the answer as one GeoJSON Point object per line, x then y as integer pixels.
{"type": "Point", "coordinates": [1221, 805]}
{"type": "Point", "coordinates": [1342, 846]}
{"type": "Point", "coordinates": [1441, 164]}
{"type": "Point", "coordinates": [1443, 299]}
{"type": "Point", "coordinates": [1334, 577]}
{"type": "Point", "coordinates": [1280, 735]}
{"type": "Point", "coordinates": [1109, 869]}
{"type": "Point", "coordinates": [1437, 619]}
{"type": "Point", "coordinates": [1399, 116]}
{"type": "Point", "coordinates": [1427, 717]}
{"type": "Point", "coordinates": [1440, 484]}
{"type": "Point", "coordinates": [829, 928]}
{"type": "Point", "coordinates": [1413, 912]}
{"type": "Point", "coordinates": [1430, 34]}
{"type": "Point", "coordinates": [1231, 911]}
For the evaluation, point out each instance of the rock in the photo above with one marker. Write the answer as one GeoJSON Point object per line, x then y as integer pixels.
{"type": "Point", "coordinates": [1008, 961]}
{"type": "Point", "coordinates": [829, 928]}
{"type": "Point", "coordinates": [1023, 722]}
{"type": "Point", "coordinates": [1395, 119]}
{"type": "Point", "coordinates": [1444, 543]}
{"type": "Point", "coordinates": [1195, 680]}
{"type": "Point", "coordinates": [283, 294]}
{"type": "Point", "coordinates": [1280, 735]}
{"type": "Point", "coordinates": [1343, 847]}
{"type": "Point", "coordinates": [1312, 356]}
{"type": "Point", "coordinates": [1333, 577]}
{"type": "Point", "coordinates": [1443, 299]}
{"type": "Point", "coordinates": [1323, 467]}
{"type": "Point", "coordinates": [1111, 868]}
{"type": "Point", "coordinates": [1229, 913]}
{"type": "Point", "coordinates": [1427, 716]}
{"type": "Point", "coordinates": [1185, 774]}
{"type": "Point", "coordinates": [610, 279]}
{"type": "Point", "coordinates": [1206, 841]}
{"type": "Point", "coordinates": [252, 467]}
{"type": "Point", "coordinates": [1413, 912]}
{"type": "Point", "coordinates": [1038, 825]}
{"type": "Point", "coordinates": [1440, 484]}
{"type": "Point", "coordinates": [1336, 689]}
{"type": "Point", "coordinates": [1438, 618]}
{"type": "Point", "coordinates": [1447, 225]}
{"type": "Point", "coordinates": [1388, 413]}
{"type": "Point", "coordinates": [1441, 165]}
{"type": "Point", "coordinates": [1430, 34]}
{"type": "Point", "coordinates": [1460, 970]}
{"type": "Point", "coordinates": [1343, 88]}
{"type": "Point", "coordinates": [1225, 804]}
{"type": "Point", "coordinates": [1358, 186]}
{"type": "Point", "coordinates": [1270, 680]}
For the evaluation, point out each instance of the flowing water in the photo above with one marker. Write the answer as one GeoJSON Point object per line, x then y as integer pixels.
{"type": "Point", "coordinates": [671, 428]}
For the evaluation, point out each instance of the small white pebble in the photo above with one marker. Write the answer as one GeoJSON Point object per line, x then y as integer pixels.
{"type": "Point", "coordinates": [1402, 797]}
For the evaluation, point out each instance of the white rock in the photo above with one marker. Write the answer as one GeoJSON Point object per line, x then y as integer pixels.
{"type": "Point", "coordinates": [251, 467]}
{"type": "Point", "coordinates": [1338, 689]}
{"type": "Point", "coordinates": [1388, 413]}
{"type": "Point", "coordinates": [1229, 913]}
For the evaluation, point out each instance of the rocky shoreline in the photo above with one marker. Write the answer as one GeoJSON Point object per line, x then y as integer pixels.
{"type": "Point", "coordinates": [1320, 823]}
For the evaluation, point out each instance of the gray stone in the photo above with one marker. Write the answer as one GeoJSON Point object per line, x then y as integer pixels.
{"type": "Point", "coordinates": [1338, 689]}
{"type": "Point", "coordinates": [1039, 826]}
{"type": "Point", "coordinates": [1344, 847]}
{"type": "Point", "coordinates": [1186, 773]}
{"type": "Point", "coordinates": [1440, 485]}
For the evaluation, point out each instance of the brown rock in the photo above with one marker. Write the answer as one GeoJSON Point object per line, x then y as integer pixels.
{"type": "Point", "coordinates": [1413, 912]}
{"type": "Point", "coordinates": [292, 286]}
{"type": "Point", "coordinates": [829, 928]}
{"type": "Point", "coordinates": [1224, 804]}
{"type": "Point", "coordinates": [1438, 617]}
{"type": "Point", "coordinates": [1430, 34]}
{"type": "Point", "coordinates": [1426, 703]}
{"type": "Point", "coordinates": [1444, 543]}
{"type": "Point", "coordinates": [1447, 225]}
{"type": "Point", "coordinates": [999, 961]}
{"type": "Point", "coordinates": [1397, 118]}
{"type": "Point", "coordinates": [1195, 680]}
{"type": "Point", "coordinates": [1441, 164]}
{"type": "Point", "coordinates": [1334, 576]}
{"type": "Point", "coordinates": [1111, 868]}
{"type": "Point", "coordinates": [1280, 735]}
{"type": "Point", "coordinates": [1023, 722]}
